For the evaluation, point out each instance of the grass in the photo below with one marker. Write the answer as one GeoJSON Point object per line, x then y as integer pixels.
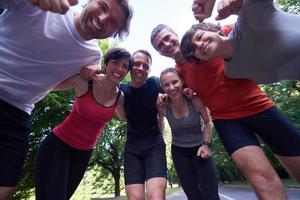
{"type": "Point", "coordinates": [290, 183]}
{"type": "Point", "coordinates": [173, 190]}
{"type": "Point", "coordinates": [286, 182]}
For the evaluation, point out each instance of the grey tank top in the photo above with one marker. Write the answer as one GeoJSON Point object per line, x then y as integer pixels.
{"type": "Point", "coordinates": [186, 132]}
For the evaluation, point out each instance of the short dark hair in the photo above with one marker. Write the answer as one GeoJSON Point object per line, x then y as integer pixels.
{"type": "Point", "coordinates": [128, 12]}
{"type": "Point", "coordinates": [157, 30]}
{"type": "Point", "coordinates": [145, 52]}
{"type": "Point", "coordinates": [117, 54]}
{"type": "Point", "coordinates": [187, 47]}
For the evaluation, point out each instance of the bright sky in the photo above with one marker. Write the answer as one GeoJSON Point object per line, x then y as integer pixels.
{"type": "Point", "coordinates": [147, 14]}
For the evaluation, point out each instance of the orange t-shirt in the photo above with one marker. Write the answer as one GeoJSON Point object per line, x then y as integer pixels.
{"type": "Point", "coordinates": [226, 98]}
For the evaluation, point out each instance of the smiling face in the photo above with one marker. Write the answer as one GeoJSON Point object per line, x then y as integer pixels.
{"type": "Point", "coordinates": [206, 44]}
{"type": "Point", "coordinates": [100, 19]}
{"type": "Point", "coordinates": [116, 69]}
{"type": "Point", "coordinates": [171, 84]}
{"type": "Point", "coordinates": [167, 43]}
{"type": "Point", "coordinates": [140, 69]}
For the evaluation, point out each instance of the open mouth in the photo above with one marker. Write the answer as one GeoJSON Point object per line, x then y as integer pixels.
{"type": "Point", "coordinates": [117, 75]}
{"type": "Point", "coordinates": [205, 49]}
{"type": "Point", "coordinates": [96, 24]}
{"type": "Point", "coordinates": [171, 49]}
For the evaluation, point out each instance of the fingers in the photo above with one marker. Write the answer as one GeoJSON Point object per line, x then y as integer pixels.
{"type": "Point", "coordinates": [198, 10]}
{"type": "Point", "coordinates": [204, 152]}
{"type": "Point", "coordinates": [161, 101]}
{"type": "Point", "coordinates": [73, 2]}
{"type": "Point", "coordinates": [57, 6]}
{"type": "Point", "coordinates": [188, 92]}
{"type": "Point", "coordinates": [88, 72]}
{"type": "Point", "coordinates": [226, 8]}
{"type": "Point", "coordinates": [202, 9]}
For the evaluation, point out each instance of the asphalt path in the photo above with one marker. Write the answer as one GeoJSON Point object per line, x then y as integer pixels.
{"type": "Point", "coordinates": [237, 193]}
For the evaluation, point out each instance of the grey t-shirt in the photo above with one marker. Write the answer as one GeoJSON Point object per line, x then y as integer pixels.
{"type": "Point", "coordinates": [186, 132]}
{"type": "Point", "coordinates": [266, 44]}
{"type": "Point", "coordinates": [38, 50]}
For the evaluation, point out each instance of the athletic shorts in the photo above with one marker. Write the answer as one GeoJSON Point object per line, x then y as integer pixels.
{"type": "Point", "coordinates": [14, 133]}
{"type": "Point", "coordinates": [274, 128]}
{"type": "Point", "coordinates": [142, 164]}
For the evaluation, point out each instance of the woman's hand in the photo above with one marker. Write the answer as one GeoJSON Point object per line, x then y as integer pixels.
{"type": "Point", "coordinates": [204, 151]}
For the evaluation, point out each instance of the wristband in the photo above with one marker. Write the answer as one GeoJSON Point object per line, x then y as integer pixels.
{"type": "Point", "coordinates": [208, 144]}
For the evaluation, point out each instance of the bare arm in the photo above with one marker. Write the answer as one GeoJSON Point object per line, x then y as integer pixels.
{"type": "Point", "coordinates": [228, 7]}
{"type": "Point", "coordinates": [161, 111]}
{"type": "Point", "coordinates": [69, 83]}
{"type": "Point", "coordinates": [57, 6]}
{"type": "Point", "coordinates": [120, 111]}
{"type": "Point", "coordinates": [205, 113]}
{"type": "Point", "coordinates": [204, 151]}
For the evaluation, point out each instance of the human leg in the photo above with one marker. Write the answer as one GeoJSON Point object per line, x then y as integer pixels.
{"type": "Point", "coordinates": [14, 132]}
{"type": "Point", "coordinates": [156, 172]}
{"type": "Point", "coordinates": [135, 191]}
{"type": "Point", "coordinates": [155, 188]}
{"type": "Point", "coordinates": [252, 161]}
{"type": "Point", "coordinates": [279, 133]}
{"type": "Point", "coordinates": [79, 162]}
{"type": "Point", "coordinates": [292, 165]}
{"type": "Point", "coordinates": [242, 145]}
{"type": "Point", "coordinates": [207, 177]}
{"type": "Point", "coordinates": [134, 176]}
{"type": "Point", "coordinates": [184, 164]}
{"type": "Point", "coordinates": [52, 169]}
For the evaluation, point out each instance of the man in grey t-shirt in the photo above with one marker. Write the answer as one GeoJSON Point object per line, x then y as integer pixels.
{"type": "Point", "coordinates": [264, 45]}
{"type": "Point", "coordinates": [38, 50]}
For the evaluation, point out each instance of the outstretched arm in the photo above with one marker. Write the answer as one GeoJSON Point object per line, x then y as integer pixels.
{"type": "Point", "coordinates": [226, 8]}
{"type": "Point", "coordinates": [202, 9]}
{"type": "Point", "coordinates": [57, 6]}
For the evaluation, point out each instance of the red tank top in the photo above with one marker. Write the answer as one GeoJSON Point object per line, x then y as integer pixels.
{"type": "Point", "coordinates": [85, 123]}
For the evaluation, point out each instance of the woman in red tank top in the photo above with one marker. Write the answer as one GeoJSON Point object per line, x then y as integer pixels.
{"type": "Point", "coordinates": [64, 154]}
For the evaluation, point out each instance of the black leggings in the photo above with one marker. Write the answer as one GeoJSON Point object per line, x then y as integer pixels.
{"type": "Point", "coordinates": [197, 176]}
{"type": "Point", "coordinates": [59, 169]}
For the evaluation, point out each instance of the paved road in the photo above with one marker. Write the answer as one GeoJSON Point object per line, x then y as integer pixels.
{"type": "Point", "coordinates": [237, 193]}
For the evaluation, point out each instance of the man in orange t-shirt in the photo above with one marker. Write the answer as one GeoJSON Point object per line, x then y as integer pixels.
{"type": "Point", "coordinates": [239, 110]}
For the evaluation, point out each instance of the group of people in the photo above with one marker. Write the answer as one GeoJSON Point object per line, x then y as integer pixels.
{"type": "Point", "coordinates": [46, 51]}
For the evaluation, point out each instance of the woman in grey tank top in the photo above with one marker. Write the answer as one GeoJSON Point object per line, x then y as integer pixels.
{"type": "Point", "coordinates": [191, 145]}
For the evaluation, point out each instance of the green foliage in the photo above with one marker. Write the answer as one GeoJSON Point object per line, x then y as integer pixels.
{"type": "Point", "coordinates": [292, 6]}
{"type": "Point", "coordinates": [47, 113]}
{"type": "Point", "coordinates": [286, 95]}
{"type": "Point", "coordinates": [108, 154]}
{"type": "Point", "coordinates": [227, 171]}
{"type": "Point", "coordinates": [172, 175]}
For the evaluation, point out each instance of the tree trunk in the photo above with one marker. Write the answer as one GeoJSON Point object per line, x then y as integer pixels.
{"type": "Point", "coordinates": [117, 183]}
